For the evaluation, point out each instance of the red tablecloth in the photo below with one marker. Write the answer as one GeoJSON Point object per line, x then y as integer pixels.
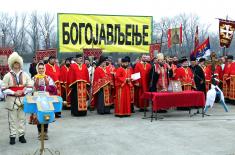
{"type": "Point", "coordinates": [166, 100]}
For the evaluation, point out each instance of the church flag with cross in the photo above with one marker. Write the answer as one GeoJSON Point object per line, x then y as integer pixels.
{"type": "Point", "coordinates": [226, 29]}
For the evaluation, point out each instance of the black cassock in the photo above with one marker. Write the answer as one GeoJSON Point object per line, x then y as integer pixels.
{"type": "Point", "coordinates": [199, 78]}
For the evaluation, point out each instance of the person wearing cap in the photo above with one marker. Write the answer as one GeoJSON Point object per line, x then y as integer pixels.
{"type": "Point", "coordinates": [229, 79]}
{"type": "Point", "coordinates": [199, 76]}
{"type": "Point", "coordinates": [185, 75]}
{"type": "Point", "coordinates": [142, 84]}
{"type": "Point", "coordinates": [123, 86]}
{"type": "Point", "coordinates": [53, 70]}
{"type": "Point", "coordinates": [160, 74]}
{"type": "Point", "coordinates": [101, 95]}
{"type": "Point", "coordinates": [78, 82]}
{"type": "Point", "coordinates": [64, 69]}
{"type": "Point", "coordinates": [16, 85]}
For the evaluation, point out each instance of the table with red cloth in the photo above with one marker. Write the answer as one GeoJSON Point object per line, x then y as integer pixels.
{"type": "Point", "coordinates": [166, 100]}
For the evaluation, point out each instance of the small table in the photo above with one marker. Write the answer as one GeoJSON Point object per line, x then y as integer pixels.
{"type": "Point", "coordinates": [166, 100]}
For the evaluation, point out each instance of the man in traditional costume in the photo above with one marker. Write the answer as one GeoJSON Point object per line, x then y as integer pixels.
{"type": "Point", "coordinates": [43, 82]}
{"type": "Point", "coordinates": [63, 81]}
{"type": "Point", "coordinates": [123, 86]}
{"type": "Point", "coordinates": [102, 87]}
{"type": "Point", "coordinates": [78, 81]}
{"type": "Point", "coordinates": [185, 75]}
{"type": "Point", "coordinates": [53, 70]}
{"type": "Point", "coordinates": [16, 85]}
{"type": "Point", "coordinates": [142, 85]}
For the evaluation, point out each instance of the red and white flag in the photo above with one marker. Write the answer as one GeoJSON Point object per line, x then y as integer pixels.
{"type": "Point", "coordinates": [175, 36]}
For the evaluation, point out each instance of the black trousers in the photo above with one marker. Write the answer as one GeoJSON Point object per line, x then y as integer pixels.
{"type": "Point", "coordinates": [45, 128]}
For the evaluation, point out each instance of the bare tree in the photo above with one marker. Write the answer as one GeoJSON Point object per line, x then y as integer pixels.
{"type": "Point", "coordinates": [33, 32]}
{"type": "Point", "coordinates": [47, 28]}
{"type": "Point", "coordinates": [5, 22]}
{"type": "Point", "coordinates": [17, 33]}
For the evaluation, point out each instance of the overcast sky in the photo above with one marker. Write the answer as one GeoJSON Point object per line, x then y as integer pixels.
{"type": "Point", "coordinates": [207, 10]}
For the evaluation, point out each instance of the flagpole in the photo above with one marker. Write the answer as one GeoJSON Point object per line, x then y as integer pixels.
{"type": "Point", "coordinates": [224, 48]}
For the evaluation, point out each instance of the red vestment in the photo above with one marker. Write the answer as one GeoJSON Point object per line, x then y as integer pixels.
{"type": "Point", "coordinates": [102, 79]}
{"type": "Point", "coordinates": [54, 72]}
{"type": "Point", "coordinates": [208, 75]}
{"type": "Point", "coordinates": [64, 86]}
{"type": "Point", "coordinates": [123, 91]}
{"type": "Point", "coordinates": [77, 80]}
{"type": "Point", "coordinates": [142, 83]}
{"type": "Point", "coordinates": [174, 67]}
{"type": "Point", "coordinates": [231, 78]}
{"type": "Point", "coordinates": [162, 83]}
{"type": "Point", "coordinates": [185, 76]}
{"type": "Point", "coordinates": [226, 80]}
{"type": "Point", "coordinates": [112, 70]}
{"type": "Point", "coordinates": [129, 72]}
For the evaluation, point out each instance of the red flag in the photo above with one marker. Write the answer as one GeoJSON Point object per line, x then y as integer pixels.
{"type": "Point", "coordinates": [169, 38]}
{"type": "Point", "coordinates": [226, 29]}
{"type": "Point", "coordinates": [154, 49]}
{"type": "Point", "coordinates": [196, 39]}
{"type": "Point", "coordinates": [175, 36]}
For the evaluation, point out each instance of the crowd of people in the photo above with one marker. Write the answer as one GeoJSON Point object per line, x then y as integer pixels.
{"type": "Point", "coordinates": [102, 84]}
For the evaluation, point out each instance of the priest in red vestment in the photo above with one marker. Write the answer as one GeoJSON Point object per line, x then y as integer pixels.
{"type": "Point", "coordinates": [102, 88]}
{"type": "Point", "coordinates": [131, 71]}
{"type": "Point", "coordinates": [185, 75]}
{"type": "Point", "coordinates": [213, 73]}
{"type": "Point", "coordinates": [142, 85]}
{"type": "Point", "coordinates": [78, 81]}
{"type": "Point", "coordinates": [112, 70]}
{"type": "Point", "coordinates": [231, 81]}
{"type": "Point", "coordinates": [123, 90]}
{"type": "Point", "coordinates": [63, 81]}
{"type": "Point", "coordinates": [53, 71]}
{"type": "Point", "coordinates": [226, 79]}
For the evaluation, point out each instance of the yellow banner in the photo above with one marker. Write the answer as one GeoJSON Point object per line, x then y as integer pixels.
{"type": "Point", "coordinates": [109, 32]}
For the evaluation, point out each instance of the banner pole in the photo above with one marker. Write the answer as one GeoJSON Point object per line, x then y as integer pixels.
{"type": "Point", "coordinates": [224, 48]}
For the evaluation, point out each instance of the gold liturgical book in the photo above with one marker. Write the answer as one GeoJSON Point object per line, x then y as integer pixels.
{"type": "Point", "coordinates": [175, 86]}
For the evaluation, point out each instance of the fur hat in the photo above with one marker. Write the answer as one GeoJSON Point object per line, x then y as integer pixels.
{"type": "Point", "coordinates": [160, 56]}
{"type": "Point", "coordinates": [14, 57]}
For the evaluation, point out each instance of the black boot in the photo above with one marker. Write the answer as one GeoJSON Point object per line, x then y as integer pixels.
{"type": "Point", "coordinates": [12, 140]}
{"type": "Point", "coordinates": [22, 139]}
